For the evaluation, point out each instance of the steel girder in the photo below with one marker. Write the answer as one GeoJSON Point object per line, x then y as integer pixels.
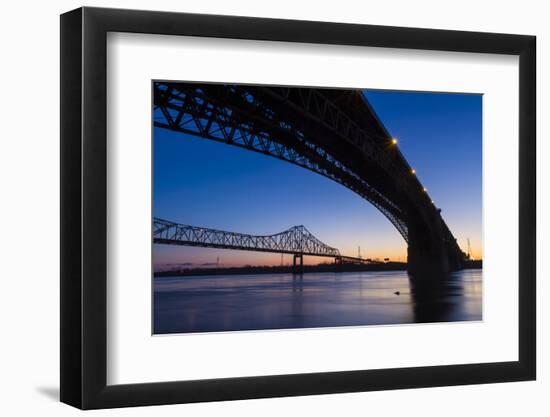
{"type": "Point", "coordinates": [233, 115]}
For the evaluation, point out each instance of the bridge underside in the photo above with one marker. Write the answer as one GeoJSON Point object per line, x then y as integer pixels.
{"type": "Point", "coordinates": [332, 132]}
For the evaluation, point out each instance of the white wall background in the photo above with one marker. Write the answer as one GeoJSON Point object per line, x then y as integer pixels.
{"type": "Point", "coordinates": [29, 213]}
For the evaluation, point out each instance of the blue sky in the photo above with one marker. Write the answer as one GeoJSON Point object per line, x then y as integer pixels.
{"type": "Point", "coordinates": [209, 184]}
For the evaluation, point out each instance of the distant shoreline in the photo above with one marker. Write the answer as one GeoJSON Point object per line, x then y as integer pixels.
{"type": "Point", "coordinates": [255, 270]}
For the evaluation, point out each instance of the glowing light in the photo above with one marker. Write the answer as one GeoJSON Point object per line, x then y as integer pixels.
{"type": "Point", "coordinates": [413, 171]}
{"type": "Point", "coordinates": [425, 189]}
{"type": "Point", "coordinates": [394, 141]}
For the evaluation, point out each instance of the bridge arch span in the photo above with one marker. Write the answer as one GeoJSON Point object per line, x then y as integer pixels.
{"type": "Point", "coordinates": [332, 132]}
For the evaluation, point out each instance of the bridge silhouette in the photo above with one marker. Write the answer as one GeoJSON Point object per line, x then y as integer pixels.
{"type": "Point", "coordinates": [333, 132]}
{"type": "Point", "coordinates": [297, 241]}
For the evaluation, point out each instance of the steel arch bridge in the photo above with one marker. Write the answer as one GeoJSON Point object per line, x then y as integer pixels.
{"type": "Point", "coordinates": [332, 132]}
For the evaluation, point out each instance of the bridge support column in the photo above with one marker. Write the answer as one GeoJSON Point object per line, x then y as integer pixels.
{"type": "Point", "coordinates": [422, 262]}
{"type": "Point", "coordinates": [428, 254]}
{"type": "Point", "coordinates": [296, 267]}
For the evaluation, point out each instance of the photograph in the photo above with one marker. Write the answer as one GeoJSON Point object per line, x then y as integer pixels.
{"type": "Point", "coordinates": [256, 205]}
{"type": "Point", "coordinates": [330, 207]}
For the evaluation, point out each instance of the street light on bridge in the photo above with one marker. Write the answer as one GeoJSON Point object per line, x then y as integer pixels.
{"type": "Point", "coordinates": [394, 141]}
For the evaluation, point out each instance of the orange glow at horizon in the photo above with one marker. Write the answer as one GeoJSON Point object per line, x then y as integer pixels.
{"type": "Point", "coordinates": [192, 257]}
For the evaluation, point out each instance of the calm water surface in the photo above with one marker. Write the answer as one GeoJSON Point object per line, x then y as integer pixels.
{"type": "Point", "coordinates": [284, 301]}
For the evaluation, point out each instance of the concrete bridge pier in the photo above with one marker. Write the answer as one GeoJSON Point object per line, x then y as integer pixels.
{"type": "Point", "coordinates": [429, 254]}
{"type": "Point", "coordinates": [298, 267]}
{"type": "Point", "coordinates": [426, 261]}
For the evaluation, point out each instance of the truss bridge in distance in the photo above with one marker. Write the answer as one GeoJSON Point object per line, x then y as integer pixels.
{"type": "Point", "coordinates": [297, 241]}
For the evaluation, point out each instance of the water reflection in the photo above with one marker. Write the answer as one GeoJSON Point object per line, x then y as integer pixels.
{"type": "Point", "coordinates": [455, 297]}
{"type": "Point", "coordinates": [284, 301]}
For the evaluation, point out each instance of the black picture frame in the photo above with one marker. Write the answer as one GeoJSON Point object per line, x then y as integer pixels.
{"type": "Point", "coordinates": [84, 207]}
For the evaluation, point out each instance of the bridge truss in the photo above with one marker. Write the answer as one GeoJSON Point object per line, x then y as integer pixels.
{"type": "Point", "coordinates": [297, 240]}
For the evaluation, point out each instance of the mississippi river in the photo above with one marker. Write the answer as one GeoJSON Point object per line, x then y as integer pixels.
{"type": "Point", "coordinates": [285, 301]}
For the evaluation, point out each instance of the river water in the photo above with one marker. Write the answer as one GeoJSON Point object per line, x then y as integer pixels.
{"type": "Point", "coordinates": [286, 301]}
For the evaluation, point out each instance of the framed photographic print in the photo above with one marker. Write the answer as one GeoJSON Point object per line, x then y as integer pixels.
{"type": "Point", "coordinates": [258, 208]}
